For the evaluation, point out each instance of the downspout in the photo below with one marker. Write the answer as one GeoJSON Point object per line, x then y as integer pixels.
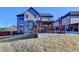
{"type": "Point", "coordinates": [78, 27]}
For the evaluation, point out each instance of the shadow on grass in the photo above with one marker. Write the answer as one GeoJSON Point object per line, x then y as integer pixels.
{"type": "Point", "coordinates": [21, 38]}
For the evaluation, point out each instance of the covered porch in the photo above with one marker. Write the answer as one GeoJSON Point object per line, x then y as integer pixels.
{"type": "Point", "coordinates": [43, 27]}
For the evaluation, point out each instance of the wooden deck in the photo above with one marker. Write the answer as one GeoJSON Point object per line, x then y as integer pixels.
{"type": "Point", "coordinates": [44, 27]}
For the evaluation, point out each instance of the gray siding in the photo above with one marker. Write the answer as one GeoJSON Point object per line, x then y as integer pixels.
{"type": "Point", "coordinates": [66, 21]}
{"type": "Point", "coordinates": [30, 17]}
{"type": "Point", "coordinates": [74, 19]}
{"type": "Point", "coordinates": [28, 26]}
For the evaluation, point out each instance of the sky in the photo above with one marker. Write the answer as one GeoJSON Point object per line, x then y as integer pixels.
{"type": "Point", "coordinates": [8, 14]}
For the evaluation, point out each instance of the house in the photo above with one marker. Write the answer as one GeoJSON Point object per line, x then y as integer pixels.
{"type": "Point", "coordinates": [57, 25]}
{"type": "Point", "coordinates": [32, 21]}
{"type": "Point", "coordinates": [11, 28]}
{"type": "Point", "coordinates": [70, 22]}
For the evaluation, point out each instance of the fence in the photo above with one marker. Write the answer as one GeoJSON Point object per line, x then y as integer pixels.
{"type": "Point", "coordinates": [4, 33]}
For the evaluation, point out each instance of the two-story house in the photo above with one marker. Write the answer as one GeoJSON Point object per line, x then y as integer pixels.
{"type": "Point", "coordinates": [32, 21]}
{"type": "Point", "coordinates": [70, 22]}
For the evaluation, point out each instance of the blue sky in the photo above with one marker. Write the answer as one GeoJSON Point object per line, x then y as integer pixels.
{"type": "Point", "coordinates": [8, 14]}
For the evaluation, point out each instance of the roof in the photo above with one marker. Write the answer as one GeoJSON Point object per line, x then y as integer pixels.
{"type": "Point", "coordinates": [34, 12]}
{"type": "Point", "coordinates": [45, 15]}
{"type": "Point", "coordinates": [20, 14]}
{"type": "Point", "coordinates": [31, 10]}
{"type": "Point", "coordinates": [74, 13]}
{"type": "Point", "coordinates": [71, 13]}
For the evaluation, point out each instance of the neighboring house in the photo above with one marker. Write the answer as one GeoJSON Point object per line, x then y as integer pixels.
{"type": "Point", "coordinates": [11, 28]}
{"type": "Point", "coordinates": [31, 21]}
{"type": "Point", "coordinates": [57, 25]}
{"type": "Point", "coordinates": [70, 22]}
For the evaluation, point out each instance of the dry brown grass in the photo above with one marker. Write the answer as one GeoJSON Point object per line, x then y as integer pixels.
{"type": "Point", "coordinates": [56, 43]}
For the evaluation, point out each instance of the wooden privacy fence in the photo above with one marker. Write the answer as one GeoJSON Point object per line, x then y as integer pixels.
{"type": "Point", "coordinates": [4, 33]}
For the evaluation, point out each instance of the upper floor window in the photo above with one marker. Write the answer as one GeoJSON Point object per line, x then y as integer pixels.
{"type": "Point", "coordinates": [26, 16]}
{"type": "Point", "coordinates": [21, 18]}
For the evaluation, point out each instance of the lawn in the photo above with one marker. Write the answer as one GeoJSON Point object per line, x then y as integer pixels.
{"type": "Point", "coordinates": [55, 43]}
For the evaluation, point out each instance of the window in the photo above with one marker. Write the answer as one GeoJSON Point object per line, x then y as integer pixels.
{"type": "Point", "coordinates": [21, 24]}
{"type": "Point", "coordinates": [21, 31]}
{"type": "Point", "coordinates": [26, 16]}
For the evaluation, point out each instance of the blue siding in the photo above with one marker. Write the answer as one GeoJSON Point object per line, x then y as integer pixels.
{"type": "Point", "coordinates": [20, 24]}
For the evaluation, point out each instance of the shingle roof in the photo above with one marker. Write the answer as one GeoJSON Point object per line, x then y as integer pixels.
{"type": "Point", "coordinates": [76, 13]}
{"type": "Point", "coordinates": [71, 13]}
{"type": "Point", "coordinates": [45, 15]}
{"type": "Point", "coordinates": [40, 14]}
{"type": "Point", "coordinates": [31, 10]}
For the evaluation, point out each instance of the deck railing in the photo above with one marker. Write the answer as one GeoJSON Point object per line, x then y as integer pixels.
{"type": "Point", "coordinates": [43, 29]}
